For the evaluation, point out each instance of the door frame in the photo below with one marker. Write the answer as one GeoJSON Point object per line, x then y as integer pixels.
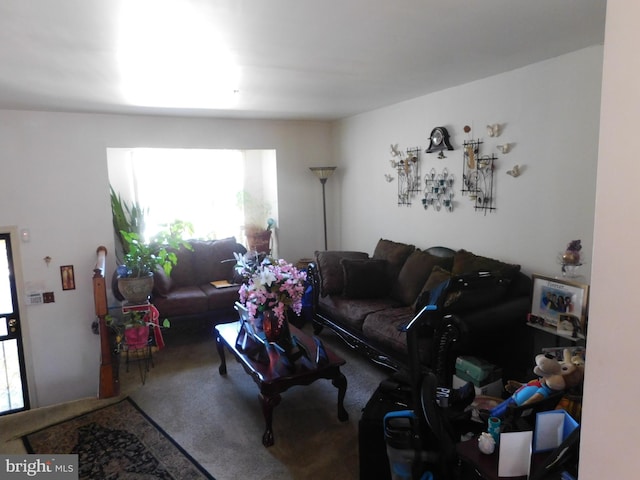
{"type": "Point", "coordinates": [24, 317]}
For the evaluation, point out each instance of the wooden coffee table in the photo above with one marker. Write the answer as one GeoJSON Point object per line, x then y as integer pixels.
{"type": "Point", "coordinates": [274, 377]}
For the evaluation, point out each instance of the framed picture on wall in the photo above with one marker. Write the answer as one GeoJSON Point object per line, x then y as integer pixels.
{"type": "Point", "coordinates": [67, 277]}
{"type": "Point", "coordinates": [560, 304]}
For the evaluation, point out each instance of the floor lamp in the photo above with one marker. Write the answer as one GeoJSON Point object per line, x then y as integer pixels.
{"type": "Point", "coordinates": [323, 173]}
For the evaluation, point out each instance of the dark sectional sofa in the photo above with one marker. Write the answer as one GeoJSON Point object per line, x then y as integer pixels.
{"type": "Point", "coordinates": [188, 292]}
{"type": "Point", "coordinates": [368, 300]}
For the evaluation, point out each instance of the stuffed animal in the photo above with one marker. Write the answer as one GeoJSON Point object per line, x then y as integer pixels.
{"type": "Point", "coordinates": [554, 376]}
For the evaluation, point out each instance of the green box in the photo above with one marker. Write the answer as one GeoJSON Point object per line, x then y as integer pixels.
{"type": "Point", "coordinates": [476, 370]}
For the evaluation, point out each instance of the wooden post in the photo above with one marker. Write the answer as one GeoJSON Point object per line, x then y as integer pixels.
{"type": "Point", "coordinates": [109, 385]}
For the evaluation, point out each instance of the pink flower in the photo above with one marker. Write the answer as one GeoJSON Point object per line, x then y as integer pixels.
{"type": "Point", "coordinates": [272, 285]}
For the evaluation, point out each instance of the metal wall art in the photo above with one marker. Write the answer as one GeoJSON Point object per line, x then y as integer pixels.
{"type": "Point", "coordinates": [438, 190]}
{"type": "Point", "coordinates": [407, 168]}
{"type": "Point", "coordinates": [477, 176]}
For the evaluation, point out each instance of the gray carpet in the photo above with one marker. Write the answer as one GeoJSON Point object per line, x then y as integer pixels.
{"type": "Point", "coordinates": [219, 421]}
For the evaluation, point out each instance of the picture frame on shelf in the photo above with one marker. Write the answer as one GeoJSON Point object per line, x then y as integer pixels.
{"type": "Point", "coordinates": [560, 304]}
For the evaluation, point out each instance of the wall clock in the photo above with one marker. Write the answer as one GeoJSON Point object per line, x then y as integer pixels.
{"type": "Point", "coordinates": [439, 140]}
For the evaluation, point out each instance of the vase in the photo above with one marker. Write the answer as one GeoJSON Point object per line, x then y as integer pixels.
{"type": "Point", "coordinates": [276, 331]}
{"type": "Point", "coordinates": [571, 257]}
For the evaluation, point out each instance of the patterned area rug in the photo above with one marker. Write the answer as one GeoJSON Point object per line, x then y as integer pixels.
{"type": "Point", "coordinates": [117, 442]}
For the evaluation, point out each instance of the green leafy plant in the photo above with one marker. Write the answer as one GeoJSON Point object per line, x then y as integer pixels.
{"type": "Point", "coordinates": [130, 319]}
{"type": "Point", "coordinates": [256, 212]}
{"type": "Point", "coordinates": [143, 258]}
{"type": "Point", "coordinates": [128, 218]}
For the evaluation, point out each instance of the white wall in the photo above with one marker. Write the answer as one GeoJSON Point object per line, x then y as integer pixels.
{"type": "Point", "coordinates": [54, 181]}
{"type": "Point", "coordinates": [549, 112]}
{"type": "Point", "coordinates": [609, 445]}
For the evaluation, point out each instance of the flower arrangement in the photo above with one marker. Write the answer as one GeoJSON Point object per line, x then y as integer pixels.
{"type": "Point", "coordinates": [270, 284]}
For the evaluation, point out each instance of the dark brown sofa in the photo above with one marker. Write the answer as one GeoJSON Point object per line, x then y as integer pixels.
{"type": "Point", "coordinates": [368, 300]}
{"type": "Point", "coordinates": [188, 292]}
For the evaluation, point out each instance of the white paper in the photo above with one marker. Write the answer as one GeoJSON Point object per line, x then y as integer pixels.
{"type": "Point", "coordinates": [515, 454]}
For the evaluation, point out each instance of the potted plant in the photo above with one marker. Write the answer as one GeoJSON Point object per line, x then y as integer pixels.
{"type": "Point", "coordinates": [258, 225]}
{"type": "Point", "coordinates": [135, 276]}
{"type": "Point", "coordinates": [132, 329]}
{"type": "Point", "coordinates": [130, 218]}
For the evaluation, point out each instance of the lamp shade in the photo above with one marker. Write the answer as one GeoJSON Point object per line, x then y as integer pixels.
{"type": "Point", "coordinates": [323, 172]}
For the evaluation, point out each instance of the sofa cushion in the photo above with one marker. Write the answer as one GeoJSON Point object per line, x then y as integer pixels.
{"type": "Point", "coordinates": [162, 283]}
{"type": "Point", "coordinates": [331, 271]}
{"type": "Point", "coordinates": [189, 300]}
{"type": "Point", "coordinates": [365, 278]}
{"type": "Point", "coordinates": [351, 312]}
{"type": "Point", "coordinates": [220, 298]}
{"type": "Point", "coordinates": [183, 273]}
{"type": "Point", "coordinates": [467, 262]}
{"type": "Point", "coordinates": [385, 327]}
{"type": "Point", "coordinates": [395, 254]}
{"type": "Point", "coordinates": [413, 275]}
{"type": "Point", "coordinates": [214, 260]}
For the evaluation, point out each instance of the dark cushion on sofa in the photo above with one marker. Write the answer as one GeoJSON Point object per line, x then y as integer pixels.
{"type": "Point", "coordinates": [162, 283]}
{"type": "Point", "coordinates": [189, 300]}
{"type": "Point", "coordinates": [365, 278]}
{"type": "Point", "coordinates": [214, 259]}
{"type": "Point", "coordinates": [331, 271]}
{"type": "Point", "coordinates": [220, 298]}
{"type": "Point", "coordinates": [183, 273]}
{"type": "Point", "coordinates": [467, 262]}
{"type": "Point", "coordinates": [414, 273]}
{"type": "Point", "coordinates": [351, 312]}
{"type": "Point", "coordinates": [395, 254]}
{"type": "Point", "coordinates": [385, 327]}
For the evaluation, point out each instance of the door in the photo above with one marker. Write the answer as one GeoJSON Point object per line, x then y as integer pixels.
{"type": "Point", "coordinates": [13, 380]}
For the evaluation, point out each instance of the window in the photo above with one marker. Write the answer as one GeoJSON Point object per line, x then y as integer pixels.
{"type": "Point", "coordinates": [217, 191]}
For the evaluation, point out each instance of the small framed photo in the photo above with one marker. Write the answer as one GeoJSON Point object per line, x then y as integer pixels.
{"type": "Point", "coordinates": [68, 279]}
{"type": "Point", "coordinates": [560, 304]}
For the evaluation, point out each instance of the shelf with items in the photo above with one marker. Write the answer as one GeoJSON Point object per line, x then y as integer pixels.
{"type": "Point", "coordinates": [553, 330]}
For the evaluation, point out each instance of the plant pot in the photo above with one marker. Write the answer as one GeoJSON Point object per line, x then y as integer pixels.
{"type": "Point", "coordinates": [137, 337]}
{"type": "Point", "coordinates": [259, 241]}
{"type": "Point", "coordinates": [136, 290]}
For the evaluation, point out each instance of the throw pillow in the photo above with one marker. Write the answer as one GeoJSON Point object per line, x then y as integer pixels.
{"type": "Point", "coordinates": [413, 275]}
{"type": "Point", "coordinates": [183, 273]}
{"type": "Point", "coordinates": [214, 260]}
{"type": "Point", "coordinates": [161, 283]}
{"type": "Point", "coordinates": [330, 269]}
{"type": "Point", "coordinates": [467, 262]}
{"type": "Point", "coordinates": [395, 254]}
{"type": "Point", "coordinates": [365, 278]}
{"type": "Point", "coordinates": [438, 276]}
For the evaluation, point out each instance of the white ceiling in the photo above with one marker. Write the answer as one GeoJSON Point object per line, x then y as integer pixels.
{"type": "Point", "coordinates": [295, 59]}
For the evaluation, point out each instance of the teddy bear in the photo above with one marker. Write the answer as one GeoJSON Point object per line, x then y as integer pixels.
{"type": "Point", "coordinates": [553, 376]}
